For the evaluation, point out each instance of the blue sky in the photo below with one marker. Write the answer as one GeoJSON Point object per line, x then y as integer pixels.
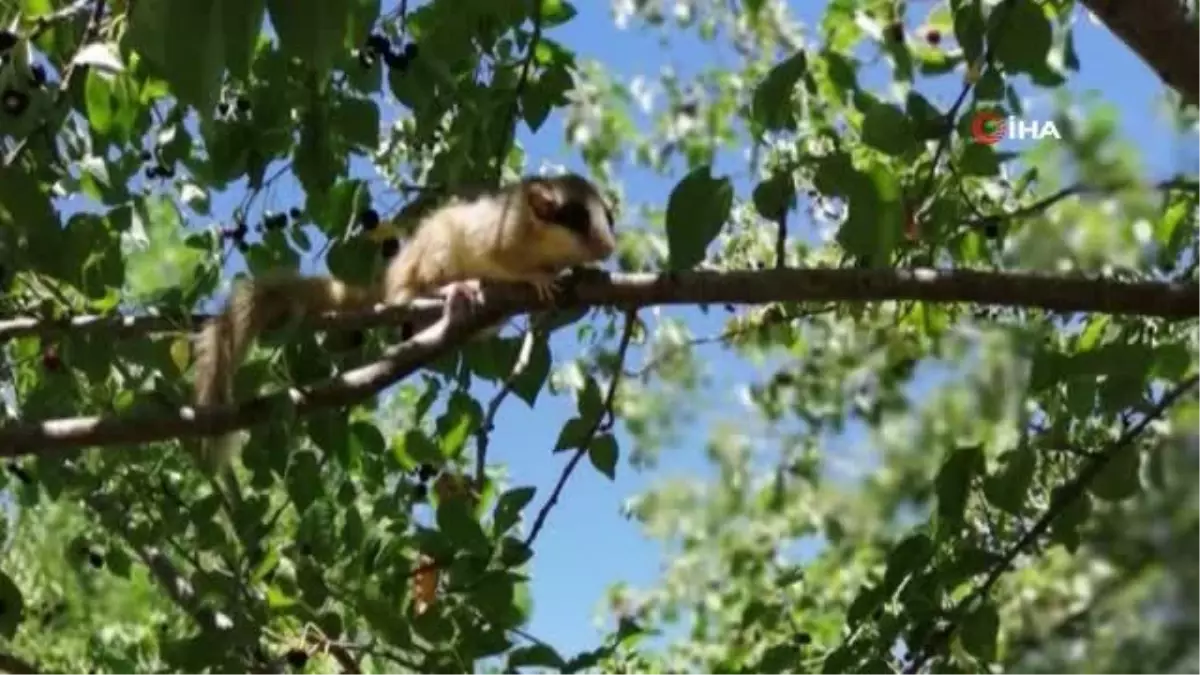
{"type": "Point", "coordinates": [587, 545]}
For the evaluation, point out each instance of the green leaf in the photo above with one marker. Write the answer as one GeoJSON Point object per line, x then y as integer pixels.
{"type": "Point", "coordinates": [591, 402]}
{"type": "Point", "coordinates": [1120, 478]}
{"type": "Point", "coordinates": [603, 452]}
{"type": "Point", "coordinates": [12, 606]}
{"type": "Point", "coordinates": [1025, 38]}
{"type": "Point", "coordinates": [508, 509]}
{"type": "Point", "coordinates": [529, 383]}
{"type": "Point", "coordinates": [313, 31]}
{"type": "Point", "coordinates": [557, 12]}
{"type": "Point", "coordinates": [242, 20]}
{"type": "Point", "coordinates": [969, 29]}
{"type": "Point", "coordinates": [980, 630]}
{"type": "Point", "coordinates": [876, 216]}
{"type": "Point", "coordinates": [774, 196]}
{"type": "Point", "coordinates": [1071, 516]}
{"type": "Point", "coordinates": [698, 207]}
{"type": "Point", "coordinates": [572, 435]}
{"type": "Point", "coordinates": [979, 159]}
{"type": "Point", "coordinates": [908, 557]}
{"type": "Point", "coordinates": [330, 431]}
{"type": "Point", "coordinates": [357, 121]}
{"type": "Point", "coordinates": [414, 448]}
{"type": "Point", "coordinates": [1009, 485]}
{"type": "Point", "coordinates": [953, 485]}
{"type": "Point", "coordinates": [304, 479]}
{"type": "Point", "coordinates": [118, 561]}
{"type": "Point", "coordinates": [185, 43]}
{"type": "Point", "coordinates": [887, 129]}
{"type": "Point", "coordinates": [538, 655]}
{"type": "Point", "coordinates": [455, 520]}
{"type": "Point", "coordinates": [771, 107]}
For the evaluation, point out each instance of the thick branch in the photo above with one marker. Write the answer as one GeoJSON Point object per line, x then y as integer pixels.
{"type": "Point", "coordinates": [1054, 293]}
{"type": "Point", "coordinates": [1160, 32]}
{"type": "Point", "coordinates": [421, 312]}
{"type": "Point", "coordinates": [351, 387]}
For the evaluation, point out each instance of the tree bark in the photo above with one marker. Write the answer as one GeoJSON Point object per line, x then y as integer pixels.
{"type": "Point", "coordinates": [1162, 34]}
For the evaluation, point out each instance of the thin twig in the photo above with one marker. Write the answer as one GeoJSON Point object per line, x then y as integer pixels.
{"type": "Point", "coordinates": [952, 114]}
{"type": "Point", "coordinates": [510, 132]}
{"type": "Point", "coordinates": [483, 436]}
{"type": "Point", "coordinates": [1066, 496]}
{"type": "Point", "coordinates": [781, 240]}
{"type": "Point", "coordinates": [1082, 189]}
{"type": "Point", "coordinates": [605, 419]}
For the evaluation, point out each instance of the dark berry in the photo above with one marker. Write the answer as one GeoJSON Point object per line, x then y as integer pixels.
{"type": "Point", "coordinates": [243, 104]}
{"type": "Point", "coordinates": [14, 102]}
{"type": "Point", "coordinates": [37, 75]}
{"type": "Point", "coordinates": [21, 474]}
{"type": "Point", "coordinates": [357, 339]}
{"type": "Point", "coordinates": [146, 156]}
{"type": "Point", "coordinates": [411, 51]}
{"type": "Point", "coordinates": [420, 492]}
{"type": "Point", "coordinates": [8, 40]}
{"type": "Point", "coordinates": [51, 361]}
{"type": "Point", "coordinates": [296, 213]}
{"type": "Point", "coordinates": [895, 32]}
{"type": "Point", "coordinates": [389, 248]}
{"type": "Point", "coordinates": [297, 658]}
{"type": "Point", "coordinates": [95, 559]}
{"type": "Point", "coordinates": [378, 43]}
{"type": "Point", "coordinates": [425, 472]}
{"type": "Point", "coordinates": [395, 60]}
{"type": "Point", "coordinates": [991, 230]}
{"type": "Point", "coordinates": [151, 172]}
{"type": "Point", "coordinates": [369, 219]}
{"type": "Point", "coordinates": [222, 109]}
{"type": "Point", "coordinates": [803, 639]}
{"type": "Point", "coordinates": [275, 221]}
{"type": "Point", "coordinates": [166, 171]}
{"type": "Point", "coordinates": [933, 36]}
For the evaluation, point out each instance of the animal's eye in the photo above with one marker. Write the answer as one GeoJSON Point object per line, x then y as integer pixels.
{"type": "Point", "coordinates": [573, 216]}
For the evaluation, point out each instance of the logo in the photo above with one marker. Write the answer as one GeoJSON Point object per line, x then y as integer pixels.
{"type": "Point", "coordinates": [988, 127]}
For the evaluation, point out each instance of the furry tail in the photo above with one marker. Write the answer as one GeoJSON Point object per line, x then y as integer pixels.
{"type": "Point", "coordinates": [253, 307]}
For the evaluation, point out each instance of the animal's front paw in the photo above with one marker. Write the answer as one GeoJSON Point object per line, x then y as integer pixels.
{"type": "Point", "coordinates": [547, 289]}
{"type": "Point", "coordinates": [460, 296]}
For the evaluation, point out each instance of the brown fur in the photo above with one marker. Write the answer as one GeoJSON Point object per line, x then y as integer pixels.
{"type": "Point", "coordinates": [510, 235]}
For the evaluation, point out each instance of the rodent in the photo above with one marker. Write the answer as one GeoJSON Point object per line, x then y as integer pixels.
{"type": "Point", "coordinates": [529, 231]}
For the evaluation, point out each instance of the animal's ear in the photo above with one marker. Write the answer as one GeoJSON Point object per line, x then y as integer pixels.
{"type": "Point", "coordinates": [542, 198]}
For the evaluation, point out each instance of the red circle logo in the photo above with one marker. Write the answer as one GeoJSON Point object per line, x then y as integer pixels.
{"type": "Point", "coordinates": [987, 127]}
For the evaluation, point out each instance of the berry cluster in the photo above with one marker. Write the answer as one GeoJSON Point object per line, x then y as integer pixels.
{"type": "Point", "coordinates": [13, 101]}
{"type": "Point", "coordinates": [395, 55]}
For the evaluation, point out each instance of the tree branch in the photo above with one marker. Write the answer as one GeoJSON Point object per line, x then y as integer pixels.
{"type": "Point", "coordinates": [1171, 300]}
{"type": "Point", "coordinates": [747, 287]}
{"type": "Point", "coordinates": [1160, 32]}
{"type": "Point", "coordinates": [118, 325]}
{"type": "Point", "coordinates": [1069, 493]}
{"type": "Point", "coordinates": [604, 421]}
